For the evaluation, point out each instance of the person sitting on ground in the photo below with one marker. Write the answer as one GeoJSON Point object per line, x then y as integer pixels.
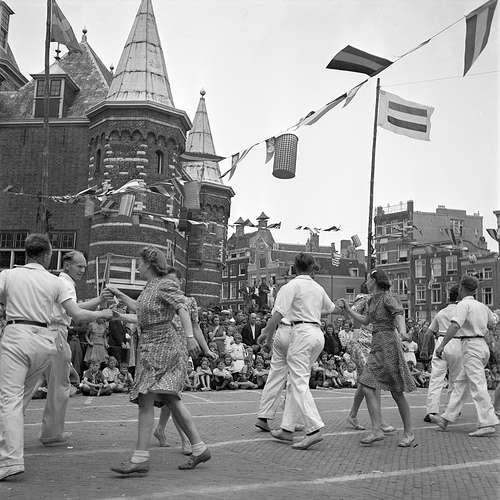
{"type": "Point", "coordinates": [213, 361]}
{"type": "Point", "coordinates": [94, 383]}
{"type": "Point", "coordinates": [204, 373]}
{"type": "Point", "coordinates": [332, 375]}
{"type": "Point", "coordinates": [228, 363]}
{"type": "Point", "coordinates": [124, 379]}
{"type": "Point", "coordinates": [260, 373]}
{"type": "Point", "coordinates": [350, 375]}
{"type": "Point", "coordinates": [192, 380]}
{"type": "Point", "coordinates": [110, 373]}
{"type": "Point", "coordinates": [416, 374]}
{"type": "Point", "coordinates": [223, 379]}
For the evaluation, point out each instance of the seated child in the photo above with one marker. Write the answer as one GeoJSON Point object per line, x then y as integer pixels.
{"type": "Point", "coordinates": [223, 379]}
{"type": "Point", "coordinates": [213, 347]}
{"type": "Point", "coordinates": [110, 373]}
{"type": "Point", "coordinates": [318, 370]}
{"type": "Point", "coordinates": [94, 383]}
{"type": "Point", "coordinates": [204, 375]}
{"type": "Point", "coordinates": [416, 374]}
{"type": "Point", "coordinates": [350, 375]}
{"type": "Point", "coordinates": [192, 382]}
{"type": "Point", "coordinates": [124, 380]}
{"type": "Point", "coordinates": [246, 375]}
{"type": "Point", "coordinates": [260, 373]}
{"type": "Point", "coordinates": [332, 375]}
{"type": "Point", "coordinates": [228, 363]}
{"type": "Point", "coordinates": [266, 355]}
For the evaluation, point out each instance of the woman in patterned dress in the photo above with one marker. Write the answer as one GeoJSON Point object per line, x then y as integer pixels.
{"type": "Point", "coordinates": [386, 368]}
{"type": "Point", "coordinates": [360, 349]}
{"type": "Point", "coordinates": [162, 358]}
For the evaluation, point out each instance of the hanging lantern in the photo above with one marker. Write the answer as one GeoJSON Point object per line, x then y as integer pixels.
{"type": "Point", "coordinates": [472, 258]}
{"type": "Point", "coordinates": [285, 156]}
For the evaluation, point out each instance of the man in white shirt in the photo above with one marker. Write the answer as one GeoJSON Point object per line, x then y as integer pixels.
{"type": "Point", "coordinates": [57, 373]}
{"type": "Point", "coordinates": [451, 358]}
{"type": "Point", "coordinates": [29, 293]}
{"type": "Point", "coordinates": [470, 324]}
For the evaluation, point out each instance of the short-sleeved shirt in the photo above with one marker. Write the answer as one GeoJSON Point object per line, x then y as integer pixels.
{"type": "Point", "coordinates": [442, 320]}
{"type": "Point", "coordinates": [473, 317]}
{"type": "Point", "coordinates": [60, 317]}
{"type": "Point", "coordinates": [29, 293]}
{"type": "Point", "coordinates": [302, 299]}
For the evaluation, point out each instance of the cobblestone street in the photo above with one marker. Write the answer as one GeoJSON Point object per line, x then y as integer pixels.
{"type": "Point", "coordinates": [248, 464]}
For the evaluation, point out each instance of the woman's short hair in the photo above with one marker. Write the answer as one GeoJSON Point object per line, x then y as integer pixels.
{"type": "Point", "coordinates": [305, 262]}
{"type": "Point", "coordinates": [381, 279]}
{"type": "Point", "coordinates": [155, 259]}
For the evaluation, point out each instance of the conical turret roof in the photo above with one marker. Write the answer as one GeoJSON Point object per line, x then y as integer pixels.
{"type": "Point", "coordinates": [200, 143]}
{"type": "Point", "coordinates": [141, 74]}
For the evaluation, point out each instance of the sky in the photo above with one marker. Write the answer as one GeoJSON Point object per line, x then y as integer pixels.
{"type": "Point", "coordinates": [263, 64]}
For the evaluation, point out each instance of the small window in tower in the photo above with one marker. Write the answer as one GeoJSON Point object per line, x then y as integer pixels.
{"type": "Point", "coordinates": [4, 28]}
{"type": "Point", "coordinates": [159, 163]}
{"type": "Point", "coordinates": [97, 160]}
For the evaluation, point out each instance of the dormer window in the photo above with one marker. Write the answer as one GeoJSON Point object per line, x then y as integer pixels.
{"type": "Point", "coordinates": [62, 93]}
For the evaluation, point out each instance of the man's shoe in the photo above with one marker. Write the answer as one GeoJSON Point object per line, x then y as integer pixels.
{"type": "Point", "coordinates": [10, 470]}
{"type": "Point", "coordinates": [194, 460]}
{"type": "Point", "coordinates": [58, 440]}
{"type": "Point", "coordinates": [427, 418]}
{"type": "Point", "coordinates": [483, 431]}
{"type": "Point", "coordinates": [439, 421]}
{"type": "Point", "coordinates": [262, 425]}
{"type": "Point", "coordinates": [308, 441]}
{"type": "Point", "coordinates": [129, 467]}
{"type": "Point", "coordinates": [282, 435]}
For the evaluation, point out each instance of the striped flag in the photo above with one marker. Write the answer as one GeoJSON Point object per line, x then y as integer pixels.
{"type": "Point", "coordinates": [126, 205]}
{"type": "Point", "coordinates": [352, 93]}
{"type": "Point", "coordinates": [404, 117]}
{"type": "Point", "coordinates": [477, 32]}
{"type": "Point", "coordinates": [495, 234]}
{"type": "Point", "coordinates": [192, 192]}
{"type": "Point", "coordinates": [61, 31]}
{"type": "Point", "coordinates": [335, 259]}
{"type": "Point", "coordinates": [314, 116]}
{"type": "Point", "coordinates": [452, 236]}
{"type": "Point", "coordinates": [352, 59]}
{"type": "Point", "coordinates": [356, 241]}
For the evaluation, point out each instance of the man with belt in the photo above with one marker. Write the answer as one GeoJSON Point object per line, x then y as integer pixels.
{"type": "Point", "coordinates": [470, 324]}
{"type": "Point", "coordinates": [28, 345]}
{"type": "Point", "coordinates": [57, 373]}
{"type": "Point", "coordinates": [451, 358]}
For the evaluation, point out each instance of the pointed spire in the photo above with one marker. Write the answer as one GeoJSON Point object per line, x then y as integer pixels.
{"type": "Point", "coordinates": [200, 142]}
{"type": "Point", "coordinates": [141, 74]}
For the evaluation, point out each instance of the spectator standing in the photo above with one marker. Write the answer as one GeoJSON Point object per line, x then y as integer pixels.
{"type": "Point", "coordinates": [251, 331]}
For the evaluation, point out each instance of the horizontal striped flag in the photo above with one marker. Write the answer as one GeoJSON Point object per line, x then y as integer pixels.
{"type": "Point", "coordinates": [477, 32]}
{"type": "Point", "coordinates": [352, 59]}
{"type": "Point", "coordinates": [314, 116]}
{"type": "Point", "coordinates": [404, 117]}
{"type": "Point", "coordinates": [335, 259]}
{"type": "Point", "coordinates": [61, 31]}
{"type": "Point", "coordinates": [126, 205]}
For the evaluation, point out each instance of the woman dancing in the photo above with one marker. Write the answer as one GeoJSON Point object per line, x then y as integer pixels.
{"type": "Point", "coordinates": [360, 348]}
{"type": "Point", "coordinates": [386, 368]}
{"type": "Point", "coordinates": [163, 356]}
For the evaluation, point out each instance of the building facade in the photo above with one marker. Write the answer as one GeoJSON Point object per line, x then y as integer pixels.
{"type": "Point", "coordinates": [117, 136]}
{"type": "Point", "coordinates": [426, 253]}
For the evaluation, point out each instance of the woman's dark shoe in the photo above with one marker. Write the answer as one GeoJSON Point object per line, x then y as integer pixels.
{"type": "Point", "coordinates": [129, 467]}
{"type": "Point", "coordinates": [195, 460]}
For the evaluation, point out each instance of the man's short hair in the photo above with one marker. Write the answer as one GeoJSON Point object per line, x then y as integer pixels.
{"type": "Point", "coordinates": [69, 256]}
{"type": "Point", "coordinates": [454, 293]}
{"type": "Point", "coordinates": [470, 283]}
{"type": "Point", "coordinates": [37, 245]}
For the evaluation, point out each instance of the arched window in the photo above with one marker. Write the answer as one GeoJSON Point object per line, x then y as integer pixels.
{"type": "Point", "coordinates": [160, 167]}
{"type": "Point", "coordinates": [97, 161]}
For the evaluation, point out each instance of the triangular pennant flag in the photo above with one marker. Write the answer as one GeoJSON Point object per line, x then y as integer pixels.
{"type": "Point", "coordinates": [404, 117]}
{"type": "Point", "coordinates": [270, 148]}
{"type": "Point", "coordinates": [333, 228]}
{"type": "Point", "coordinates": [314, 116]}
{"type": "Point", "coordinates": [61, 31]}
{"type": "Point", "coordinates": [478, 31]}
{"type": "Point", "coordinates": [235, 159]}
{"type": "Point", "coordinates": [352, 93]}
{"type": "Point", "coordinates": [276, 225]}
{"type": "Point", "coordinates": [352, 59]}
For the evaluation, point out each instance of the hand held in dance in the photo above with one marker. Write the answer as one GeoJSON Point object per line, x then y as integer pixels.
{"type": "Point", "coordinates": [193, 347]}
{"type": "Point", "coordinates": [107, 314]}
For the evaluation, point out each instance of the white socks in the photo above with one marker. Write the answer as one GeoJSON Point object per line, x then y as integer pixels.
{"type": "Point", "coordinates": [140, 456]}
{"type": "Point", "coordinates": [198, 448]}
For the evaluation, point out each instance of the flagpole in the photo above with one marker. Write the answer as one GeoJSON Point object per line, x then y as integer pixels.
{"type": "Point", "coordinates": [42, 221]}
{"type": "Point", "coordinates": [372, 180]}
